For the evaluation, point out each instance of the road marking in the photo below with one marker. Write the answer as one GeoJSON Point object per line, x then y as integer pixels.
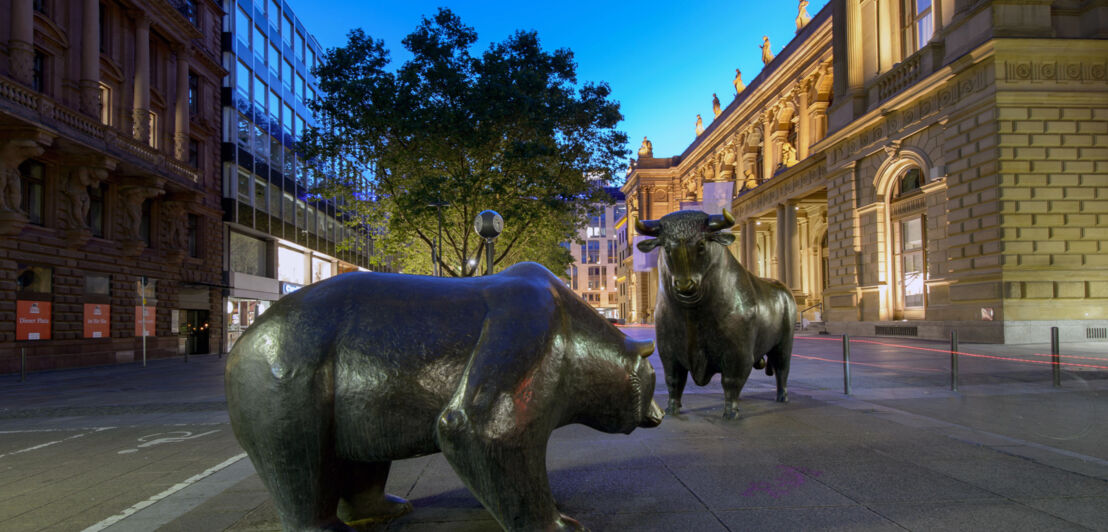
{"type": "Point", "coordinates": [169, 438]}
{"type": "Point", "coordinates": [173, 489]}
{"type": "Point", "coordinates": [49, 443]}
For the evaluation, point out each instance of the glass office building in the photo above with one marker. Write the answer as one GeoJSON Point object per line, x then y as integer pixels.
{"type": "Point", "coordinates": [277, 238]}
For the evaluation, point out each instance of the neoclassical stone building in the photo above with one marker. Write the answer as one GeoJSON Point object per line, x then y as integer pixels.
{"type": "Point", "coordinates": [913, 168]}
{"type": "Point", "coordinates": [109, 171]}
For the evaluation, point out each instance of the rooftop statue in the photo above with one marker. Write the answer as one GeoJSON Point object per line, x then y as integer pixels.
{"type": "Point", "coordinates": [739, 85]}
{"type": "Point", "coordinates": [699, 125]}
{"type": "Point", "coordinates": [767, 53]}
{"type": "Point", "coordinates": [802, 18]}
{"type": "Point", "coordinates": [647, 148]}
{"type": "Point", "coordinates": [340, 378]}
{"type": "Point", "coordinates": [715, 105]}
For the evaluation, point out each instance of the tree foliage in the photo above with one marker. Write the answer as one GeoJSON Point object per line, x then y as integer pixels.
{"type": "Point", "coordinates": [509, 130]}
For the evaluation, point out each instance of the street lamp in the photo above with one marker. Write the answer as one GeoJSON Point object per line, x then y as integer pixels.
{"type": "Point", "coordinates": [488, 224]}
{"type": "Point", "coordinates": [436, 249]}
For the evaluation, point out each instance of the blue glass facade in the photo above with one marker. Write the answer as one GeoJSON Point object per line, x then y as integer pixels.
{"type": "Point", "coordinates": [269, 56]}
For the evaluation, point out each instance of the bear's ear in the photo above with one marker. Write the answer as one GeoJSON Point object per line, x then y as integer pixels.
{"type": "Point", "coordinates": [646, 246]}
{"type": "Point", "coordinates": [723, 238]}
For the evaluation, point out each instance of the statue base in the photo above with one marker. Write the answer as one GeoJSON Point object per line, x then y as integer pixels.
{"type": "Point", "coordinates": [11, 222]}
{"type": "Point", "coordinates": [75, 238]}
{"type": "Point", "coordinates": [133, 248]}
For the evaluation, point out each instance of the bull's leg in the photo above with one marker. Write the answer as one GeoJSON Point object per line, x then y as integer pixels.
{"type": "Point", "coordinates": [507, 475]}
{"type": "Point", "coordinates": [779, 359]}
{"type": "Point", "coordinates": [676, 377]}
{"type": "Point", "coordinates": [733, 379]}
{"type": "Point", "coordinates": [363, 498]}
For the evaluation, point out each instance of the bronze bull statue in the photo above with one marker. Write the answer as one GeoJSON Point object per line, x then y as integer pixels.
{"type": "Point", "coordinates": [340, 378]}
{"type": "Point", "coordinates": [713, 316]}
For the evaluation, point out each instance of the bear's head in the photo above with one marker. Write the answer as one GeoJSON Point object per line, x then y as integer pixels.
{"type": "Point", "coordinates": [614, 391]}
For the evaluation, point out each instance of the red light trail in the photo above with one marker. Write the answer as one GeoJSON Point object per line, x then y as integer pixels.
{"type": "Point", "coordinates": [974, 355]}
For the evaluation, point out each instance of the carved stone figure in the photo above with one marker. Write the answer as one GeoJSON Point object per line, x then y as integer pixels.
{"type": "Point", "coordinates": [715, 105]}
{"type": "Point", "coordinates": [739, 85]}
{"type": "Point", "coordinates": [340, 378]}
{"type": "Point", "coordinates": [714, 316]}
{"type": "Point", "coordinates": [73, 212]}
{"type": "Point", "coordinates": [767, 53]}
{"type": "Point", "coordinates": [699, 125]}
{"type": "Point", "coordinates": [788, 154]}
{"type": "Point", "coordinates": [750, 179]}
{"type": "Point", "coordinates": [12, 154]}
{"type": "Point", "coordinates": [647, 148]}
{"type": "Point", "coordinates": [176, 219]}
{"type": "Point", "coordinates": [802, 18]}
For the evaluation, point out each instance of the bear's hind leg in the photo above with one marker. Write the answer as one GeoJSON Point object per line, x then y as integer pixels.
{"type": "Point", "coordinates": [363, 498]}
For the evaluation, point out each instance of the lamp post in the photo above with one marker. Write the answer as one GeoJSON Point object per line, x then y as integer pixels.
{"type": "Point", "coordinates": [436, 249]}
{"type": "Point", "coordinates": [488, 224]}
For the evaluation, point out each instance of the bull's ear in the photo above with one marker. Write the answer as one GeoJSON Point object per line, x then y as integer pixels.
{"type": "Point", "coordinates": [721, 237]}
{"type": "Point", "coordinates": [646, 246]}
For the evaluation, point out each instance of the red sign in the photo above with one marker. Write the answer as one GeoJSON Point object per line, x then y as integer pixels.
{"type": "Point", "coordinates": [32, 320]}
{"type": "Point", "coordinates": [148, 318]}
{"type": "Point", "coordinates": [97, 320]}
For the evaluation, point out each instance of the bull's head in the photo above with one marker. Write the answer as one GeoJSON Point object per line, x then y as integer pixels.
{"type": "Point", "coordinates": [685, 237]}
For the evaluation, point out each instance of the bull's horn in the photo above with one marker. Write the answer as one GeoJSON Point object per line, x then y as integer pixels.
{"type": "Point", "coordinates": [648, 227]}
{"type": "Point", "coordinates": [717, 222]}
{"type": "Point", "coordinates": [643, 348]}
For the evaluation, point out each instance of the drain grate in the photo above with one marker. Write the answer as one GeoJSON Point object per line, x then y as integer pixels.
{"type": "Point", "coordinates": [891, 330]}
{"type": "Point", "coordinates": [1096, 333]}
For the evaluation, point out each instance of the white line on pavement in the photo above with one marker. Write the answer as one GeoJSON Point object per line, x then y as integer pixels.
{"type": "Point", "coordinates": [49, 443]}
{"type": "Point", "coordinates": [173, 489]}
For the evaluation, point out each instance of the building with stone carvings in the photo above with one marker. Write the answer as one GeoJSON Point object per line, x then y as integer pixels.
{"type": "Point", "coordinates": [109, 173]}
{"type": "Point", "coordinates": [278, 238]}
{"type": "Point", "coordinates": [916, 168]}
{"type": "Point", "coordinates": [593, 274]}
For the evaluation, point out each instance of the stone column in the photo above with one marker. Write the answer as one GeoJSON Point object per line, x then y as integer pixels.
{"type": "Point", "coordinates": [750, 244]}
{"type": "Point", "coordinates": [90, 58]}
{"type": "Point", "coordinates": [768, 148]}
{"type": "Point", "coordinates": [788, 246]}
{"type": "Point", "coordinates": [818, 112]}
{"type": "Point", "coordinates": [791, 240]}
{"type": "Point", "coordinates": [803, 123]}
{"type": "Point", "coordinates": [141, 111]}
{"type": "Point", "coordinates": [21, 41]}
{"type": "Point", "coordinates": [781, 244]}
{"type": "Point", "coordinates": [181, 118]}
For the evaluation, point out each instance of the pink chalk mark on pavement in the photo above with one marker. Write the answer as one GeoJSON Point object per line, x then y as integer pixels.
{"type": "Point", "coordinates": [789, 478]}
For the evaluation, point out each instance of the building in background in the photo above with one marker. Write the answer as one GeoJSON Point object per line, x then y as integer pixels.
{"type": "Point", "coordinates": [593, 273]}
{"type": "Point", "coordinates": [277, 239]}
{"type": "Point", "coordinates": [109, 175]}
{"type": "Point", "coordinates": [913, 168]}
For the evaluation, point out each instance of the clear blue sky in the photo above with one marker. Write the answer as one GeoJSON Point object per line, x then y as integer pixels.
{"type": "Point", "coordinates": [663, 60]}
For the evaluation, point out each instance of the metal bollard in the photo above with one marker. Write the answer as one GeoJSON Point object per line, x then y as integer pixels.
{"type": "Point", "coordinates": [1055, 358]}
{"type": "Point", "coordinates": [22, 364]}
{"type": "Point", "coordinates": [954, 360]}
{"type": "Point", "coordinates": [846, 364]}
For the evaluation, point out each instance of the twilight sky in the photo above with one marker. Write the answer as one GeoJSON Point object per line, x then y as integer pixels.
{"type": "Point", "coordinates": [663, 60]}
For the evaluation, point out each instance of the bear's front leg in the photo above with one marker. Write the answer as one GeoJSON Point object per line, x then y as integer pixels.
{"type": "Point", "coordinates": [507, 473]}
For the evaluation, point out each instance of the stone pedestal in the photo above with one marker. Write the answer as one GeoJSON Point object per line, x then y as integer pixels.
{"type": "Point", "coordinates": [11, 222]}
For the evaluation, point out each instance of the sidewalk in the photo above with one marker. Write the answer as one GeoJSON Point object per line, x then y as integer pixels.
{"type": "Point", "coordinates": [1006, 452]}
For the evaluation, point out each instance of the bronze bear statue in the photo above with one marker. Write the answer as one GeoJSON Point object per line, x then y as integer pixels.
{"type": "Point", "coordinates": [340, 378]}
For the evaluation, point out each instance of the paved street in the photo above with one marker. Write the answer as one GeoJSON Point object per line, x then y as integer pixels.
{"type": "Point", "coordinates": [133, 448]}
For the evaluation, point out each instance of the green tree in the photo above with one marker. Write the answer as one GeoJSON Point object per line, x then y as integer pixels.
{"type": "Point", "coordinates": [509, 130]}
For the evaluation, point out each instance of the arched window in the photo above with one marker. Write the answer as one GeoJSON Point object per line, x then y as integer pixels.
{"type": "Point", "coordinates": [907, 216]}
{"type": "Point", "coordinates": [910, 181]}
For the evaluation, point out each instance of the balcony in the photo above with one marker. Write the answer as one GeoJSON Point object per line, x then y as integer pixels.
{"type": "Point", "coordinates": [41, 109]}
